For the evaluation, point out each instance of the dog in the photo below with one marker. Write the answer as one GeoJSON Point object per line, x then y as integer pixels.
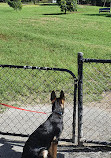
{"type": "Point", "coordinates": [42, 143]}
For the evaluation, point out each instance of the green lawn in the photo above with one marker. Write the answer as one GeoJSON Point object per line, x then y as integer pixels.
{"type": "Point", "coordinates": [39, 35]}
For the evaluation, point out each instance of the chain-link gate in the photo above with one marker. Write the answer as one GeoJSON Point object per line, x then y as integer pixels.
{"type": "Point", "coordinates": [26, 90]}
{"type": "Point", "coordinates": [94, 85]}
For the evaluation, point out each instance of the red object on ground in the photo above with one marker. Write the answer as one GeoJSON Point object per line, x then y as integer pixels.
{"type": "Point", "coordinates": [10, 106]}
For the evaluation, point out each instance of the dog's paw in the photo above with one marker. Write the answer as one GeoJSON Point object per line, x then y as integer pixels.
{"type": "Point", "coordinates": [43, 154]}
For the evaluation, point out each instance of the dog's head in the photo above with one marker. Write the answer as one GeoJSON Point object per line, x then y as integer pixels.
{"type": "Point", "coordinates": [58, 103]}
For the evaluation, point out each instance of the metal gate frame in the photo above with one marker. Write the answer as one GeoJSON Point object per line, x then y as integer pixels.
{"type": "Point", "coordinates": [49, 69]}
{"type": "Point", "coordinates": [81, 61]}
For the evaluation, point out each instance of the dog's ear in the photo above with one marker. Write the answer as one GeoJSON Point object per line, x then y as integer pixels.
{"type": "Point", "coordinates": [53, 96]}
{"type": "Point", "coordinates": [62, 96]}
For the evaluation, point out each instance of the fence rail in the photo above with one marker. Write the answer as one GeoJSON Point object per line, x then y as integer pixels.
{"type": "Point", "coordinates": [39, 68]}
{"type": "Point", "coordinates": [96, 61]}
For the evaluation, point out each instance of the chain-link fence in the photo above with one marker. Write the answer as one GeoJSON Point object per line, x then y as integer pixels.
{"type": "Point", "coordinates": [27, 91]}
{"type": "Point", "coordinates": [95, 113]}
{"type": "Point", "coordinates": [29, 88]}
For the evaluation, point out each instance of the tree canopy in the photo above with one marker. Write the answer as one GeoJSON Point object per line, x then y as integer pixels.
{"type": "Point", "coordinates": [15, 4]}
{"type": "Point", "coordinates": [68, 5]}
{"type": "Point", "coordinates": [96, 2]}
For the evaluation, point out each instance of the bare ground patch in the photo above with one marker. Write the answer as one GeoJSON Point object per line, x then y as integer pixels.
{"type": "Point", "coordinates": [104, 103]}
{"type": "Point", "coordinates": [3, 37]}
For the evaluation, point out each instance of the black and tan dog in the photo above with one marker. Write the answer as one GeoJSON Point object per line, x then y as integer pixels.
{"type": "Point", "coordinates": [42, 143]}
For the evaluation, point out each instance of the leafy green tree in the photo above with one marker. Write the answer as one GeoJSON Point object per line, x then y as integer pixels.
{"type": "Point", "coordinates": [15, 4]}
{"type": "Point", "coordinates": [106, 1]}
{"type": "Point", "coordinates": [68, 5]}
{"type": "Point", "coordinates": [95, 2]}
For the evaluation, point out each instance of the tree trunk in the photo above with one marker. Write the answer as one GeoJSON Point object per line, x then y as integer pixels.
{"type": "Point", "coordinates": [65, 10]}
{"type": "Point", "coordinates": [93, 2]}
{"type": "Point", "coordinates": [104, 3]}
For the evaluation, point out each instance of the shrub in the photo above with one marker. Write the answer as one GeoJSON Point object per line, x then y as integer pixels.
{"type": "Point", "coordinates": [15, 4]}
{"type": "Point", "coordinates": [68, 5]}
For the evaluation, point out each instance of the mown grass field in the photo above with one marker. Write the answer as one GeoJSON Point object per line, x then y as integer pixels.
{"type": "Point", "coordinates": [40, 35]}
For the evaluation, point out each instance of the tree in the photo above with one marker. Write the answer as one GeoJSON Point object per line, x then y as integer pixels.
{"type": "Point", "coordinates": [106, 1]}
{"type": "Point", "coordinates": [96, 2]}
{"type": "Point", "coordinates": [15, 4]}
{"type": "Point", "coordinates": [68, 5]}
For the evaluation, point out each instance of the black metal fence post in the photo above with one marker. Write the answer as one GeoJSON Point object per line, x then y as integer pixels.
{"type": "Point", "coordinates": [74, 112]}
{"type": "Point", "coordinates": [80, 97]}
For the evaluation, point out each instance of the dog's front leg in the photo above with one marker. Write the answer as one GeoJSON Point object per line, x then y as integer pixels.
{"type": "Point", "coordinates": [53, 149]}
{"type": "Point", "coordinates": [50, 151]}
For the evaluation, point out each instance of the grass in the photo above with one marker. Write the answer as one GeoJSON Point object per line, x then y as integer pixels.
{"type": "Point", "coordinates": [39, 35]}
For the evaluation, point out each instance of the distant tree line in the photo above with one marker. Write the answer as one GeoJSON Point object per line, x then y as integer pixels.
{"type": "Point", "coordinates": [106, 3]}
{"type": "Point", "coordinates": [65, 5]}
{"type": "Point", "coordinates": [96, 2]}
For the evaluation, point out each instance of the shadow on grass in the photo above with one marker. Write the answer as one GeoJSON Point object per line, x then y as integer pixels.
{"type": "Point", "coordinates": [46, 4]}
{"type": "Point", "coordinates": [55, 14]}
{"type": "Point", "coordinates": [104, 15]}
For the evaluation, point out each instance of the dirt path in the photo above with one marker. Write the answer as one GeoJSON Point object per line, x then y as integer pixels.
{"type": "Point", "coordinates": [97, 119]}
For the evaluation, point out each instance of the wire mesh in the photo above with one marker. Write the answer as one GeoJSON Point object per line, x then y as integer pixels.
{"type": "Point", "coordinates": [97, 102]}
{"type": "Point", "coordinates": [30, 89]}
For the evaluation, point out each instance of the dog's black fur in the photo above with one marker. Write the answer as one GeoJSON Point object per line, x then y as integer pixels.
{"type": "Point", "coordinates": [40, 140]}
